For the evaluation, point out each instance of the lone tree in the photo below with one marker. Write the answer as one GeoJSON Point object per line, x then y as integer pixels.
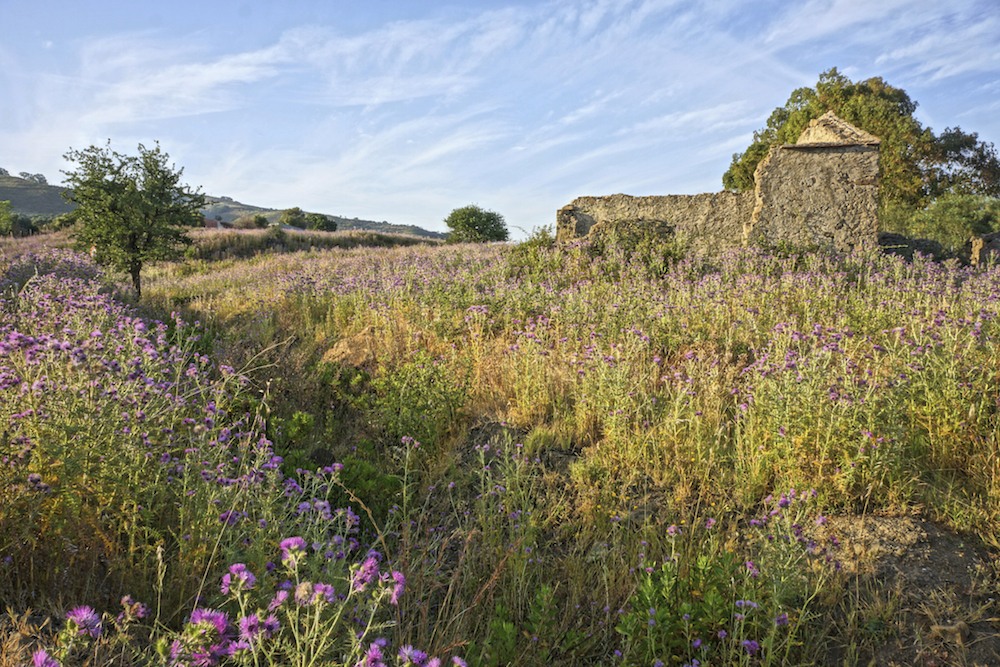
{"type": "Point", "coordinates": [130, 210]}
{"type": "Point", "coordinates": [471, 224]}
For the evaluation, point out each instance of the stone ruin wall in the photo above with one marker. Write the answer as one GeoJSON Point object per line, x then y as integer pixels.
{"type": "Point", "coordinates": [705, 221]}
{"type": "Point", "coordinates": [816, 196]}
{"type": "Point", "coordinates": [819, 193]}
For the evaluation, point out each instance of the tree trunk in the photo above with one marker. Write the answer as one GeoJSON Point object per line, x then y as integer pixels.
{"type": "Point", "coordinates": [134, 271]}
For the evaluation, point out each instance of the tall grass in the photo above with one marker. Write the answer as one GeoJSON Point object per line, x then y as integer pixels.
{"type": "Point", "coordinates": [575, 456]}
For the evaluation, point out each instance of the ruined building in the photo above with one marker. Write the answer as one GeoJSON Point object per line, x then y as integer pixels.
{"type": "Point", "coordinates": [820, 192]}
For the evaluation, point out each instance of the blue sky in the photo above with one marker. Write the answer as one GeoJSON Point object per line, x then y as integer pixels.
{"type": "Point", "coordinates": [402, 110]}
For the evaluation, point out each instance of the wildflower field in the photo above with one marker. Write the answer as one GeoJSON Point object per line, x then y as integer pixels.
{"type": "Point", "coordinates": [509, 454]}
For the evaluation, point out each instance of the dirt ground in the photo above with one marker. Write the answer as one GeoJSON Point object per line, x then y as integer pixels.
{"type": "Point", "coordinates": [925, 597]}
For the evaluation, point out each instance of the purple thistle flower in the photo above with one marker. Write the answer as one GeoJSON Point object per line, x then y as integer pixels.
{"type": "Point", "coordinates": [217, 619]}
{"type": "Point", "coordinates": [325, 592]}
{"type": "Point", "coordinates": [87, 620]}
{"type": "Point", "coordinates": [458, 662]}
{"type": "Point", "coordinates": [278, 600]}
{"type": "Point", "coordinates": [271, 626]}
{"type": "Point", "coordinates": [230, 518]}
{"type": "Point", "coordinates": [751, 646]}
{"type": "Point", "coordinates": [250, 628]}
{"type": "Point", "coordinates": [364, 574]}
{"type": "Point", "coordinates": [292, 550]}
{"type": "Point", "coordinates": [238, 579]}
{"type": "Point", "coordinates": [412, 656]}
{"type": "Point", "coordinates": [42, 659]}
{"type": "Point", "coordinates": [211, 656]}
{"type": "Point", "coordinates": [373, 657]}
{"type": "Point", "coordinates": [781, 619]}
{"type": "Point", "coordinates": [397, 590]}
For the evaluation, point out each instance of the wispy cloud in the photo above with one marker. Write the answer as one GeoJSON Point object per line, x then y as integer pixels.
{"type": "Point", "coordinates": [959, 45]}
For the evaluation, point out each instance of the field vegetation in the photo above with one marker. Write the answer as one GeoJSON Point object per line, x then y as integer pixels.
{"type": "Point", "coordinates": [490, 454]}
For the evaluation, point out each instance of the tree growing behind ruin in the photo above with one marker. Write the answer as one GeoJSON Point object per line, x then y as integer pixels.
{"type": "Point", "coordinates": [916, 167]}
{"type": "Point", "coordinates": [130, 209]}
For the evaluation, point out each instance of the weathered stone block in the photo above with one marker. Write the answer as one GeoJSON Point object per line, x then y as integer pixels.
{"type": "Point", "coordinates": [984, 247]}
{"type": "Point", "coordinates": [817, 196]}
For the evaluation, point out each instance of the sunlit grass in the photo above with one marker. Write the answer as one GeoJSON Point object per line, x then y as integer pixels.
{"type": "Point", "coordinates": [625, 395]}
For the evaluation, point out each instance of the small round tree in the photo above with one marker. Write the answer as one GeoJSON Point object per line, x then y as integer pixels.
{"type": "Point", "coordinates": [321, 223]}
{"type": "Point", "coordinates": [471, 224]}
{"type": "Point", "coordinates": [293, 217]}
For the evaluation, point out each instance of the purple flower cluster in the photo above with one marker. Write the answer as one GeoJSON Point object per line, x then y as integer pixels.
{"type": "Point", "coordinates": [86, 621]}
{"type": "Point", "coordinates": [239, 578]}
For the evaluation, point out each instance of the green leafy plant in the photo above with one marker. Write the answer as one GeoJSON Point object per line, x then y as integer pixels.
{"type": "Point", "coordinates": [472, 224]}
{"type": "Point", "coordinates": [953, 219]}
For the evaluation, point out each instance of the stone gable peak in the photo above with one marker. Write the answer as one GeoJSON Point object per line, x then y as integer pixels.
{"type": "Point", "coordinates": [830, 129]}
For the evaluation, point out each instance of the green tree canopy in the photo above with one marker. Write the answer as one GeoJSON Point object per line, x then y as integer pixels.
{"type": "Point", "coordinates": [320, 222]}
{"type": "Point", "coordinates": [915, 166]}
{"type": "Point", "coordinates": [6, 218]}
{"type": "Point", "coordinates": [953, 219]}
{"type": "Point", "coordinates": [130, 209]}
{"type": "Point", "coordinates": [472, 224]}
{"type": "Point", "coordinates": [293, 217]}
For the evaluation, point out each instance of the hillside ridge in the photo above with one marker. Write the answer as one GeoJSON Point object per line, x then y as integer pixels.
{"type": "Point", "coordinates": [37, 199]}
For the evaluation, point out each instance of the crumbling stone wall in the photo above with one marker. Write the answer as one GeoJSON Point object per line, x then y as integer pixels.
{"type": "Point", "coordinates": [821, 192]}
{"type": "Point", "coordinates": [706, 222]}
{"type": "Point", "coordinates": [816, 196]}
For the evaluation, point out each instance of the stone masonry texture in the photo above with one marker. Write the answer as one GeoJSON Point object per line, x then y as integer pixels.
{"type": "Point", "coordinates": [821, 192]}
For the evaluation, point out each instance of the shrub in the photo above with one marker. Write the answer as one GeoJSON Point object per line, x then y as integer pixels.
{"type": "Point", "coordinates": [952, 220]}
{"type": "Point", "coordinates": [472, 224]}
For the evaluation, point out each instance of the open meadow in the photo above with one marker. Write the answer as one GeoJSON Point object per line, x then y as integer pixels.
{"type": "Point", "coordinates": [531, 454]}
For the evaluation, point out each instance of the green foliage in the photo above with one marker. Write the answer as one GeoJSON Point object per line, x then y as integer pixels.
{"type": "Point", "coordinates": [472, 224]}
{"type": "Point", "coordinates": [952, 220]}
{"type": "Point", "coordinates": [15, 224]}
{"type": "Point", "coordinates": [289, 436]}
{"type": "Point", "coordinates": [131, 210]}
{"type": "Point", "coordinates": [681, 602]}
{"type": "Point", "coordinates": [320, 222]}
{"type": "Point", "coordinates": [422, 399]}
{"type": "Point", "coordinates": [294, 217]}
{"type": "Point", "coordinates": [6, 218]}
{"type": "Point", "coordinates": [915, 166]}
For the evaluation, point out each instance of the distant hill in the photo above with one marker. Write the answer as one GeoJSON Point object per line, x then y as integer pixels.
{"type": "Point", "coordinates": [227, 209]}
{"type": "Point", "coordinates": [35, 199]}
